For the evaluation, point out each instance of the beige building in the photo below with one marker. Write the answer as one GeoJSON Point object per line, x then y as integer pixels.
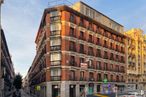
{"type": "Point", "coordinates": [136, 59]}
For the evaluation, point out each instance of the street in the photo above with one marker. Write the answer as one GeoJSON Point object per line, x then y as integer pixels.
{"type": "Point", "coordinates": [24, 94]}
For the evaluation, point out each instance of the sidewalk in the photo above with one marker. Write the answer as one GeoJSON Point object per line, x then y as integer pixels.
{"type": "Point", "coordinates": [24, 94]}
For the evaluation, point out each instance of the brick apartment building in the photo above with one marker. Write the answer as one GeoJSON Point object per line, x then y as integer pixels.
{"type": "Point", "coordinates": [77, 51]}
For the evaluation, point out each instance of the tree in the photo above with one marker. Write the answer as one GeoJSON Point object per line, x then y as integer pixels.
{"type": "Point", "coordinates": [18, 81]}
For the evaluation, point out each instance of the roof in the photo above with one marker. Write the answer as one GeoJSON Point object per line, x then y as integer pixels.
{"type": "Point", "coordinates": [100, 13]}
{"type": "Point", "coordinates": [69, 9]}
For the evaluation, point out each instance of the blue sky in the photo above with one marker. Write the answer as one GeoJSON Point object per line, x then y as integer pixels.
{"type": "Point", "coordinates": [21, 19]}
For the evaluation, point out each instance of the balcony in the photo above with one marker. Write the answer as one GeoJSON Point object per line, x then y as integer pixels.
{"type": "Point", "coordinates": [98, 43]}
{"type": "Point", "coordinates": [122, 51]}
{"type": "Point", "coordinates": [55, 48]}
{"type": "Point", "coordinates": [82, 51]}
{"type": "Point", "coordinates": [111, 58]}
{"type": "Point", "coordinates": [90, 28]}
{"type": "Point", "coordinates": [81, 24]}
{"type": "Point", "coordinates": [72, 63]}
{"type": "Point", "coordinates": [55, 78]}
{"type": "Point", "coordinates": [99, 79]}
{"type": "Point", "coordinates": [72, 35]}
{"type": "Point", "coordinates": [72, 49]}
{"type": "Point", "coordinates": [72, 78]}
{"type": "Point", "coordinates": [91, 79]}
{"type": "Point", "coordinates": [123, 61]}
{"type": "Point", "coordinates": [98, 54]}
{"type": "Point", "coordinates": [91, 67]}
{"type": "Point", "coordinates": [82, 79]}
{"type": "Point", "coordinates": [90, 40]}
{"type": "Point", "coordinates": [55, 19]}
{"type": "Point", "coordinates": [55, 32]}
{"type": "Point", "coordinates": [90, 53]}
{"type": "Point", "coordinates": [82, 38]}
{"type": "Point", "coordinates": [55, 63]}
{"type": "Point", "coordinates": [105, 57]}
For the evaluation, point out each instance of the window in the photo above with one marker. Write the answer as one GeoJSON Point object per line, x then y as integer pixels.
{"type": "Point", "coordinates": [81, 35]}
{"type": "Point", "coordinates": [111, 45]}
{"type": "Point", "coordinates": [112, 56]}
{"type": "Point", "coordinates": [111, 67]}
{"type": "Point", "coordinates": [90, 38]}
{"type": "Point", "coordinates": [98, 53]}
{"type": "Point", "coordinates": [122, 59]}
{"type": "Point", "coordinates": [55, 41]}
{"type": "Point", "coordinates": [81, 22]}
{"type": "Point", "coordinates": [72, 60]}
{"type": "Point", "coordinates": [72, 32]}
{"type": "Point", "coordinates": [81, 75]}
{"type": "Point", "coordinates": [81, 48]}
{"type": "Point", "coordinates": [54, 19]}
{"type": "Point", "coordinates": [105, 55]}
{"type": "Point", "coordinates": [72, 75]}
{"type": "Point", "coordinates": [98, 65]}
{"type": "Point", "coordinates": [55, 27]}
{"type": "Point", "coordinates": [91, 76]}
{"type": "Point", "coordinates": [90, 51]}
{"type": "Point", "coordinates": [105, 66]}
{"type": "Point", "coordinates": [81, 60]}
{"type": "Point", "coordinates": [55, 72]}
{"type": "Point", "coordinates": [72, 46]}
{"type": "Point", "coordinates": [112, 78]}
{"type": "Point", "coordinates": [72, 18]}
{"type": "Point", "coordinates": [87, 12]}
{"type": "Point", "coordinates": [117, 58]}
{"type": "Point", "coordinates": [99, 77]}
{"type": "Point", "coordinates": [116, 47]}
{"type": "Point", "coordinates": [105, 43]}
{"type": "Point", "coordinates": [55, 56]}
{"type": "Point", "coordinates": [90, 63]}
{"type": "Point", "coordinates": [54, 13]}
{"type": "Point", "coordinates": [105, 76]}
{"type": "Point", "coordinates": [98, 41]}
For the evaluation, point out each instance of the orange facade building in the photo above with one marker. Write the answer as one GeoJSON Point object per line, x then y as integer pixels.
{"type": "Point", "coordinates": [76, 53]}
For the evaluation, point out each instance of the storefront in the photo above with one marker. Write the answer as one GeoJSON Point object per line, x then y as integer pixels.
{"type": "Point", "coordinates": [91, 88]}
{"type": "Point", "coordinates": [82, 90]}
{"type": "Point", "coordinates": [98, 88]}
{"type": "Point", "coordinates": [106, 88]}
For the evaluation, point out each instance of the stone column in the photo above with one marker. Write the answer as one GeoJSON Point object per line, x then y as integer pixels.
{"type": "Point", "coordinates": [64, 89]}
{"type": "Point", "coordinates": [77, 90]}
{"type": "Point", "coordinates": [48, 89]}
{"type": "Point", "coordinates": [95, 88]}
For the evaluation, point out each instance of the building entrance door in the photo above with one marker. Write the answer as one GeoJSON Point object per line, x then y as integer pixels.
{"type": "Point", "coordinates": [98, 88]}
{"type": "Point", "coordinates": [55, 91]}
{"type": "Point", "coordinates": [72, 91]}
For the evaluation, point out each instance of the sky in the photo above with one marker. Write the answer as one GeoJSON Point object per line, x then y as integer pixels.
{"type": "Point", "coordinates": [21, 19]}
